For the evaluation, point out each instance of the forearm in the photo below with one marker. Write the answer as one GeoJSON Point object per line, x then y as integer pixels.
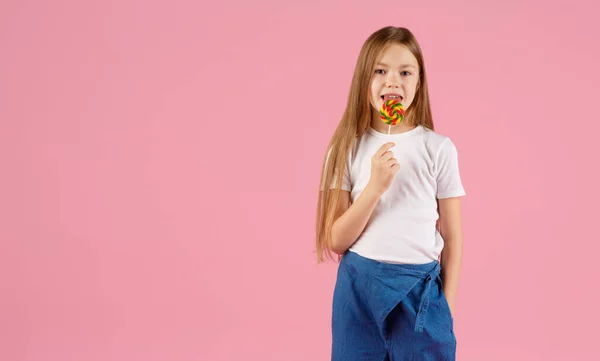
{"type": "Point", "coordinates": [348, 227]}
{"type": "Point", "coordinates": [451, 265]}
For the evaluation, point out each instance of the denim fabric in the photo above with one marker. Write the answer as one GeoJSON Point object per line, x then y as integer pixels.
{"type": "Point", "coordinates": [395, 312]}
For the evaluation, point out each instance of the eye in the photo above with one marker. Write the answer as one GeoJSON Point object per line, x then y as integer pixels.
{"type": "Point", "coordinates": [406, 72]}
{"type": "Point", "coordinates": [379, 71]}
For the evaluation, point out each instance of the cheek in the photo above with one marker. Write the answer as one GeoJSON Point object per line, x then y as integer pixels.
{"type": "Point", "coordinates": [413, 90]}
{"type": "Point", "coordinates": [413, 96]}
{"type": "Point", "coordinates": [374, 99]}
{"type": "Point", "coordinates": [376, 86]}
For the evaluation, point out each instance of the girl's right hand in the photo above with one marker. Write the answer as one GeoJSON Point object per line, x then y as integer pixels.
{"type": "Point", "coordinates": [383, 168]}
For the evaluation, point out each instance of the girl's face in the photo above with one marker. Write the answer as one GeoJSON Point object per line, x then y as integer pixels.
{"type": "Point", "coordinates": [397, 73]}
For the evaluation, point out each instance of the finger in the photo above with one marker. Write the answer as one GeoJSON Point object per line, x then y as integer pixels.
{"type": "Point", "coordinates": [384, 148]}
{"type": "Point", "coordinates": [387, 156]}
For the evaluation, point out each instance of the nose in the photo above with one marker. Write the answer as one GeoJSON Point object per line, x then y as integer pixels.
{"type": "Point", "coordinates": [392, 80]}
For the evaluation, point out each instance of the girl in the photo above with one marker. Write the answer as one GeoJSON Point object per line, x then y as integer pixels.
{"type": "Point", "coordinates": [392, 207]}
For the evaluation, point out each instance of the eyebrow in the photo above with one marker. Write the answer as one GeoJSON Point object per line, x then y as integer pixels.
{"type": "Point", "coordinates": [401, 66]}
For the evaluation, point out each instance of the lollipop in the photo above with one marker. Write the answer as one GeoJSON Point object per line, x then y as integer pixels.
{"type": "Point", "coordinates": [391, 113]}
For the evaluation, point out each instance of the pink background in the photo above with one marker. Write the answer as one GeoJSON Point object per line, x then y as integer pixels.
{"type": "Point", "coordinates": [160, 165]}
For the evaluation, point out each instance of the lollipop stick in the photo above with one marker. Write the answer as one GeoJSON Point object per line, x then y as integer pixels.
{"type": "Point", "coordinates": [389, 128]}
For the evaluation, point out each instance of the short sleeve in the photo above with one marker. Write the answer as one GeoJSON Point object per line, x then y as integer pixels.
{"type": "Point", "coordinates": [346, 184]}
{"type": "Point", "coordinates": [449, 183]}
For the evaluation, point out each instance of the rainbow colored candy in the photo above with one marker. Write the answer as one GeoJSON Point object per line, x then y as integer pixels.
{"type": "Point", "coordinates": [391, 112]}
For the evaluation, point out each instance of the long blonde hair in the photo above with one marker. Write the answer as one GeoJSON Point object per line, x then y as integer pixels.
{"type": "Point", "coordinates": [357, 119]}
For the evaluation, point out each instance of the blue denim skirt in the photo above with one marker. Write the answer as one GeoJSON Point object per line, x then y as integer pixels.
{"type": "Point", "coordinates": [396, 312]}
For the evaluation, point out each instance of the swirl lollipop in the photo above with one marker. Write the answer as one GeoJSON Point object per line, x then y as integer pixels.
{"type": "Point", "coordinates": [391, 112]}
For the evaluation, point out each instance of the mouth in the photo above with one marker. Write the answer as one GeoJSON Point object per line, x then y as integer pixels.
{"type": "Point", "coordinates": [390, 96]}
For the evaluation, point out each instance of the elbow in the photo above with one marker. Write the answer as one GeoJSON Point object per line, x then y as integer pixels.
{"type": "Point", "coordinates": [337, 250]}
{"type": "Point", "coordinates": [452, 239]}
{"type": "Point", "coordinates": [337, 246]}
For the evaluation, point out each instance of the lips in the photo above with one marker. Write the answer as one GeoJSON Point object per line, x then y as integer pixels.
{"type": "Point", "coordinates": [389, 96]}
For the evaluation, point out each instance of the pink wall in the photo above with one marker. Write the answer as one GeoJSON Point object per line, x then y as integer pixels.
{"type": "Point", "coordinates": [160, 165]}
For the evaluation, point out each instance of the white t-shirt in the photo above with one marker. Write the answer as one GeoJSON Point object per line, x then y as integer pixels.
{"type": "Point", "coordinates": [402, 227]}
